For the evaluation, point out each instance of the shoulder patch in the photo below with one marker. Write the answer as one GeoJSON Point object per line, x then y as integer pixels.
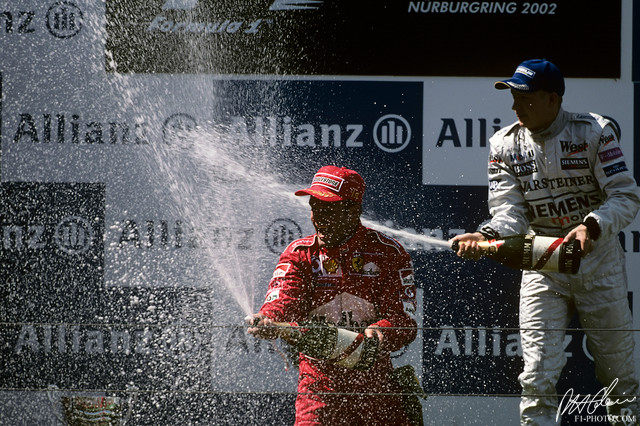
{"type": "Point", "coordinates": [301, 242]}
{"type": "Point", "coordinates": [272, 295]}
{"type": "Point", "coordinates": [596, 120]}
{"type": "Point", "coordinates": [598, 124]}
{"type": "Point", "coordinates": [506, 130]}
{"type": "Point", "coordinates": [281, 270]}
{"type": "Point", "coordinates": [511, 128]}
{"type": "Point", "coordinates": [582, 117]}
{"type": "Point", "coordinates": [385, 239]}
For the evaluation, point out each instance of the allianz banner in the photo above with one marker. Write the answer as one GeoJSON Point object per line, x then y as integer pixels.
{"type": "Point", "coordinates": [385, 37]}
{"type": "Point", "coordinates": [150, 270]}
{"type": "Point", "coordinates": [143, 209]}
{"type": "Point", "coordinates": [51, 270]}
{"type": "Point", "coordinates": [149, 303]}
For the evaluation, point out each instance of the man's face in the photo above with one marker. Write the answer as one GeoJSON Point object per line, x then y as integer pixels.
{"type": "Point", "coordinates": [535, 110]}
{"type": "Point", "coordinates": [334, 222]}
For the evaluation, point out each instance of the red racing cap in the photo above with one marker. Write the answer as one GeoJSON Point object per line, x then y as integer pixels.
{"type": "Point", "coordinates": [333, 183]}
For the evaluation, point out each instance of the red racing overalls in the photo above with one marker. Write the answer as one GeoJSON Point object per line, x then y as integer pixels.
{"type": "Point", "coordinates": [367, 281]}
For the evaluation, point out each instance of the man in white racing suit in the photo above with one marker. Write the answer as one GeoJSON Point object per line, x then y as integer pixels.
{"type": "Point", "coordinates": [563, 174]}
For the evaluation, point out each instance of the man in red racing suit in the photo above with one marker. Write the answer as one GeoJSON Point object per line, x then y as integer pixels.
{"type": "Point", "coordinates": [355, 278]}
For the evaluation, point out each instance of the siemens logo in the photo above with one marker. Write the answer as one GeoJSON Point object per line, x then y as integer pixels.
{"type": "Point", "coordinates": [574, 163]}
{"type": "Point", "coordinates": [568, 210]}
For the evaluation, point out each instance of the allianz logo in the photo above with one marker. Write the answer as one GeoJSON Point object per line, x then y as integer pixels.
{"type": "Point", "coordinates": [73, 235]}
{"type": "Point", "coordinates": [64, 127]}
{"type": "Point", "coordinates": [63, 19]}
{"type": "Point", "coordinates": [179, 340]}
{"type": "Point", "coordinates": [391, 133]}
{"type": "Point", "coordinates": [276, 5]}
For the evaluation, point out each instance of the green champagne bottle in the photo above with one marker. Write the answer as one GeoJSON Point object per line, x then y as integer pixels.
{"type": "Point", "coordinates": [533, 252]}
{"type": "Point", "coordinates": [325, 341]}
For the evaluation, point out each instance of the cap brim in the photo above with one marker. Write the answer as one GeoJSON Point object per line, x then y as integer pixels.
{"type": "Point", "coordinates": [320, 194]}
{"type": "Point", "coordinates": [514, 84]}
{"type": "Point", "coordinates": [501, 85]}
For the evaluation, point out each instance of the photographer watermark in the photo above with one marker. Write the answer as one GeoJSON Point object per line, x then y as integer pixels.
{"type": "Point", "coordinates": [584, 407]}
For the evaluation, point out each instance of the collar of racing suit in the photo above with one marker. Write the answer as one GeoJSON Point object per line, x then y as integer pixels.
{"type": "Point", "coordinates": [553, 130]}
{"type": "Point", "coordinates": [351, 240]}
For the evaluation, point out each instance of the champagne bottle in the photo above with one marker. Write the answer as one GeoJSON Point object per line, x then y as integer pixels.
{"type": "Point", "coordinates": [325, 341]}
{"type": "Point", "coordinates": [532, 252]}
{"type": "Point", "coordinates": [339, 346]}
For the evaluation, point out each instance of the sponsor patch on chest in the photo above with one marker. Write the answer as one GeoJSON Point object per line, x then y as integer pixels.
{"type": "Point", "coordinates": [272, 295]}
{"type": "Point", "coordinates": [615, 168]}
{"type": "Point", "coordinates": [610, 154]}
{"type": "Point", "coordinates": [281, 270]}
{"type": "Point", "coordinates": [574, 163]}
{"type": "Point", "coordinates": [525, 169]}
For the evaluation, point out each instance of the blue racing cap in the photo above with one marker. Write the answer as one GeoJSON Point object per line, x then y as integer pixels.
{"type": "Point", "coordinates": [534, 75]}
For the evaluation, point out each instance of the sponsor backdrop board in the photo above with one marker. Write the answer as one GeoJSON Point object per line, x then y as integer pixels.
{"type": "Point", "coordinates": [148, 157]}
{"type": "Point", "coordinates": [399, 38]}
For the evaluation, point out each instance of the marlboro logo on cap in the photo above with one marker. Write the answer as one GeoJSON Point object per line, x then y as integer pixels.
{"type": "Point", "coordinates": [333, 183]}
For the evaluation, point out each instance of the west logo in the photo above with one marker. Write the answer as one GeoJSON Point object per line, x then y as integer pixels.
{"type": "Point", "coordinates": [573, 148]}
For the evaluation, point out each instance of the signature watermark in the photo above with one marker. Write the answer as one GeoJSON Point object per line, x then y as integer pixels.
{"type": "Point", "coordinates": [584, 407]}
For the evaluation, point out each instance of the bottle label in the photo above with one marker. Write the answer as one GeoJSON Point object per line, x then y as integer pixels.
{"type": "Point", "coordinates": [493, 246]}
{"type": "Point", "coordinates": [348, 348]}
{"type": "Point", "coordinates": [546, 253]}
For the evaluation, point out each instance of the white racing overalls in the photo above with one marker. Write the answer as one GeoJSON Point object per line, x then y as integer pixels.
{"type": "Point", "coordinates": [547, 183]}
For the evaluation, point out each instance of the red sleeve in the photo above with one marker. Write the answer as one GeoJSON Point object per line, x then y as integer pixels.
{"type": "Point", "coordinates": [398, 304]}
{"type": "Point", "coordinates": [286, 298]}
